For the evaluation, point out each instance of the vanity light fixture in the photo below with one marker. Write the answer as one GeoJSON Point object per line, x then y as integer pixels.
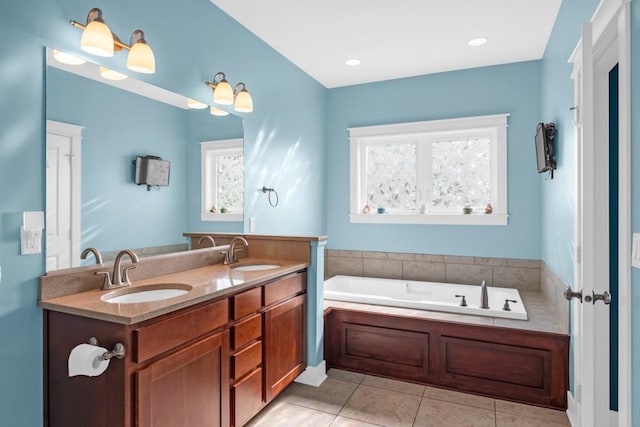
{"type": "Point", "coordinates": [98, 39]}
{"type": "Point", "coordinates": [222, 91]}
{"type": "Point", "coordinates": [196, 105]}
{"type": "Point", "coordinates": [110, 74]}
{"type": "Point", "coordinates": [242, 99]}
{"type": "Point", "coordinates": [67, 58]}
{"type": "Point", "coordinates": [218, 112]}
{"type": "Point", "coordinates": [223, 94]}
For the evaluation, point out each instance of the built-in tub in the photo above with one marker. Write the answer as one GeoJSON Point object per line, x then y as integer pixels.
{"type": "Point", "coordinates": [424, 296]}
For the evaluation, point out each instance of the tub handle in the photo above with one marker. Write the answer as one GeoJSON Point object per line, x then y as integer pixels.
{"type": "Point", "coordinates": [506, 304]}
{"type": "Point", "coordinates": [463, 303]}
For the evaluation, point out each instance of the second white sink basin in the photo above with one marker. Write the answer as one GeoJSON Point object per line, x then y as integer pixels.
{"type": "Point", "coordinates": [148, 293]}
{"type": "Point", "coordinates": [255, 267]}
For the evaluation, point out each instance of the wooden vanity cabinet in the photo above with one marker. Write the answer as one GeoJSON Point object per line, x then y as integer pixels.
{"type": "Point", "coordinates": [284, 333]}
{"type": "Point", "coordinates": [215, 364]}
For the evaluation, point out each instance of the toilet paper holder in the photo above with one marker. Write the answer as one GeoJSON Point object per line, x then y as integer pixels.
{"type": "Point", "coordinates": [117, 352]}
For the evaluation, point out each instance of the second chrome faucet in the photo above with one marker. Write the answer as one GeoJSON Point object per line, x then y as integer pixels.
{"type": "Point", "coordinates": [230, 254]}
{"type": "Point", "coordinates": [120, 275]}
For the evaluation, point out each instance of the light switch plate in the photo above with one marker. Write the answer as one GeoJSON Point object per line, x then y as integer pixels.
{"type": "Point", "coordinates": [635, 250]}
{"type": "Point", "coordinates": [252, 225]}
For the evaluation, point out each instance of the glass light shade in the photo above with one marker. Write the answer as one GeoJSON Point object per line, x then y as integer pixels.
{"type": "Point", "coordinates": [97, 39]}
{"type": "Point", "coordinates": [223, 93]}
{"type": "Point", "coordinates": [196, 105]}
{"type": "Point", "coordinates": [244, 103]}
{"type": "Point", "coordinates": [218, 112]}
{"type": "Point", "coordinates": [141, 59]}
{"type": "Point", "coordinates": [111, 74]}
{"type": "Point", "coordinates": [67, 58]}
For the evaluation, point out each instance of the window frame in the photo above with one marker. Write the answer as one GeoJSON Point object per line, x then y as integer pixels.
{"type": "Point", "coordinates": [492, 126]}
{"type": "Point", "coordinates": [209, 151]}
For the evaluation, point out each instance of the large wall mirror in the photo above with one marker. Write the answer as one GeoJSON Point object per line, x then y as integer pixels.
{"type": "Point", "coordinates": [95, 130]}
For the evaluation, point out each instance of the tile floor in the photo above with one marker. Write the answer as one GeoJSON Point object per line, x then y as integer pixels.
{"type": "Point", "coordinates": [348, 399]}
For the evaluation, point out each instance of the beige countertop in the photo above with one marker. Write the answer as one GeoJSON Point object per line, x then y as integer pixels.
{"type": "Point", "coordinates": [540, 315]}
{"type": "Point", "coordinates": [207, 283]}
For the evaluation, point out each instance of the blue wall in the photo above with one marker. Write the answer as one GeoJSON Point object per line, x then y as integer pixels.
{"type": "Point", "coordinates": [192, 40]}
{"type": "Point", "coordinates": [512, 88]}
{"type": "Point", "coordinates": [118, 126]}
{"type": "Point", "coordinates": [558, 195]}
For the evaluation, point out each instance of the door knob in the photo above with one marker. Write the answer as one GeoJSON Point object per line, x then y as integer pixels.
{"type": "Point", "coordinates": [605, 297]}
{"type": "Point", "coordinates": [569, 293]}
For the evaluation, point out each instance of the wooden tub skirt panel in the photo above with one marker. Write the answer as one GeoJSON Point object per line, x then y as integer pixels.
{"type": "Point", "coordinates": [520, 365]}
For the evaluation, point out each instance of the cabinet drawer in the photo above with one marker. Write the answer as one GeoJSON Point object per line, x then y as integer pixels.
{"type": "Point", "coordinates": [284, 288]}
{"type": "Point", "coordinates": [246, 360]}
{"type": "Point", "coordinates": [152, 340]}
{"type": "Point", "coordinates": [247, 398]}
{"type": "Point", "coordinates": [246, 331]}
{"type": "Point", "coordinates": [246, 303]}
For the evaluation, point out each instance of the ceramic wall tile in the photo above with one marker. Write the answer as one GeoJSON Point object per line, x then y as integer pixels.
{"type": "Point", "coordinates": [423, 271]}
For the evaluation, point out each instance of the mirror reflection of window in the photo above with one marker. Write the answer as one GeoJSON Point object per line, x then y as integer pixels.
{"type": "Point", "coordinates": [222, 180]}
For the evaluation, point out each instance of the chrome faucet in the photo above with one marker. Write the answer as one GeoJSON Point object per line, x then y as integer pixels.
{"type": "Point", "coordinates": [484, 296]}
{"type": "Point", "coordinates": [96, 254]}
{"type": "Point", "coordinates": [120, 275]}
{"type": "Point", "coordinates": [230, 254]}
{"type": "Point", "coordinates": [209, 238]}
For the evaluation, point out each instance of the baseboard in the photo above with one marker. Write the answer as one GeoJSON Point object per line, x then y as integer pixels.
{"type": "Point", "coordinates": [313, 375]}
{"type": "Point", "coordinates": [572, 411]}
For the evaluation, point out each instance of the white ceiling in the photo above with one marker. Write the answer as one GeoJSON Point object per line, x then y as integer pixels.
{"type": "Point", "coordinates": [396, 38]}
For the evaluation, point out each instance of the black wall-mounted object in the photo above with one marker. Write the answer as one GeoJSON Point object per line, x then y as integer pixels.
{"type": "Point", "coordinates": [152, 171]}
{"type": "Point", "coordinates": [545, 138]}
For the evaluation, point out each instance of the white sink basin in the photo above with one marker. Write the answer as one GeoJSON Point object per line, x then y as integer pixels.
{"type": "Point", "coordinates": [255, 267]}
{"type": "Point", "coordinates": [156, 292]}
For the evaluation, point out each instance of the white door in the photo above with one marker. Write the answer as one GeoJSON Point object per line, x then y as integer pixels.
{"type": "Point", "coordinates": [593, 59]}
{"type": "Point", "coordinates": [62, 196]}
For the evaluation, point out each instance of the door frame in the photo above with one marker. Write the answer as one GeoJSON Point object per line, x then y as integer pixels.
{"type": "Point", "coordinates": [610, 41]}
{"type": "Point", "coordinates": [74, 133]}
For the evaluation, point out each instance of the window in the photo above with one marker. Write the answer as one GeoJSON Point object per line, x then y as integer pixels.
{"type": "Point", "coordinates": [222, 180]}
{"type": "Point", "coordinates": [430, 172]}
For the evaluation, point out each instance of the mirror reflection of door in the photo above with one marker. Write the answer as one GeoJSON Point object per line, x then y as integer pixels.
{"type": "Point", "coordinates": [63, 195]}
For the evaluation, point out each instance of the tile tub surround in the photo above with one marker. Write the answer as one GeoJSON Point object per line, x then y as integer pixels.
{"type": "Point", "coordinates": [349, 399]}
{"type": "Point", "coordinates": [522, 274]}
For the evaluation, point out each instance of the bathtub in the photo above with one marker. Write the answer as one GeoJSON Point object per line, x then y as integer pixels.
{"type": "Point", "coordinates": [423, 296]}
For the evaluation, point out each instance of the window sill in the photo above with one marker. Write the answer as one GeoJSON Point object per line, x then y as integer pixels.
{"type": "Point", "coordinates": [222, 217]}
{"type": "Point", "coordinates": [443, 219]}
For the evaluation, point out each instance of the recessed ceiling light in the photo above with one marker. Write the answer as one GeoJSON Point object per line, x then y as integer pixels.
{"type": "Point", "coordinates": [478, 41]}
{"type": "Point", "coordinates": [352, 62]}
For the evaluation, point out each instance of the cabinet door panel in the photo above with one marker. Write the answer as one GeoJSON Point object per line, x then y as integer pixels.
{"type": "Point", "coordinates": [247, 398]}
{"type": "Point", "coordinates": [187, 388]}
{"type": "Point", "coordinates": [284, 341]}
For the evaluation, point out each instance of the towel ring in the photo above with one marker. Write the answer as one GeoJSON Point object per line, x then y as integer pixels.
{"type": "Point", "coordinates": [271, 191]}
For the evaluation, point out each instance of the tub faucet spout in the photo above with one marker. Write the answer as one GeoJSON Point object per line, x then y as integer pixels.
{"type": "Point", "coordinates": [484, 296]}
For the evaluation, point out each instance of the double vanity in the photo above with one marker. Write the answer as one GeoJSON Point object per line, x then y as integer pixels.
{"type": "Point", "coordinates": [215, 353]}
